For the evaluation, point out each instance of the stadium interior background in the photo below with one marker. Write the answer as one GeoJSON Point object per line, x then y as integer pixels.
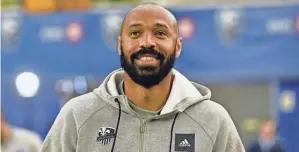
{"type": "Point", "coordinates": [245, 51]}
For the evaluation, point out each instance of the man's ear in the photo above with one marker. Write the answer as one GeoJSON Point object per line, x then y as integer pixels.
{"type": "Point", "coordinates": [119, 45]}
{"type": "Point", "coordinates": [178, 47]}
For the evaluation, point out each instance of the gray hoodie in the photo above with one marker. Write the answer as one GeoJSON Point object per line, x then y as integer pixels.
{"type": "Point", "coordinates": [103, 121]}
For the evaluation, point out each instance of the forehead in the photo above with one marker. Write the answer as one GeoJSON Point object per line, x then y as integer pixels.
{"type": "Point", "coordinates": [149, 16]}
{"type": "Point", "coordinates": [268, 123]}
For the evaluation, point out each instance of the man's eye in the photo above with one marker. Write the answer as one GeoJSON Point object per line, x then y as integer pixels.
{"type": "Point", "coordinates": [160, 33]}
{"type": "Point", "coordinates": [134, 33]}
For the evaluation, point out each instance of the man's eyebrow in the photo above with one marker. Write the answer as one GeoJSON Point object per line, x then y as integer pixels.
{"type": "Point", "coordinates": [161, 25]}
{"type": "Point", "coordinates": [134, 25]}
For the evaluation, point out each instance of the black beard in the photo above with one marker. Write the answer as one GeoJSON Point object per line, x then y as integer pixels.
{"type": "Point", "coordinates": [147, 76]}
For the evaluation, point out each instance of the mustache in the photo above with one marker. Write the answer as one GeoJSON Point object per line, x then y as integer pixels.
{"type": "Point", "coordinates": [151, 51]}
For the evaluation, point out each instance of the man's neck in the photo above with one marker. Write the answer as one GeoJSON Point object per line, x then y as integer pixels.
{"type": "Point", "coordinates": [152, 99]}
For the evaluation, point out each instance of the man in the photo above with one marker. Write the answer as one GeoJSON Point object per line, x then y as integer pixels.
{"type": "Point", "coordinates": [15, 139]}
{"type": "Point", "coordinates": [267, 142]}
{"type": "Point", "coordinates": [148, 106]}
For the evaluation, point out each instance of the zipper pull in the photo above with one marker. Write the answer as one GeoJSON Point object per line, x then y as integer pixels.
{"type": "Point", "coordinates": [142, 127]}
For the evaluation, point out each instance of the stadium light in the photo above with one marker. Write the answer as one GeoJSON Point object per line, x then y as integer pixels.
{"type": "Point", "coordinates": [27, 84]}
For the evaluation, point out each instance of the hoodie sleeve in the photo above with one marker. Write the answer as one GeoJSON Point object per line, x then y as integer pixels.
{"type": "Point", "coordinates": [62, 136]}
{"type": "Point", "coordinates": [228, 139]}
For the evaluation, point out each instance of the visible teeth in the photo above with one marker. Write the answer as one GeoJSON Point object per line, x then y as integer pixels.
{"type": "Point", "coordinates": [147, 58]}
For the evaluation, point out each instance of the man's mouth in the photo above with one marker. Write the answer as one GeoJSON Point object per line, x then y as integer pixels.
{"type": "Point", "coordinates": [147, 56]}
{"type": "Point", "coordinates": [147, 60]}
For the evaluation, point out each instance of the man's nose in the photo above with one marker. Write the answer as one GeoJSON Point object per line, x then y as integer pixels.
{"type": "Point", "coordinates": [148, 41]}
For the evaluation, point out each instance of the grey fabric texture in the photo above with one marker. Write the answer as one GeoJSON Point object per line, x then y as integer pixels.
{"type": "Point", "coordinates": [80, 121]}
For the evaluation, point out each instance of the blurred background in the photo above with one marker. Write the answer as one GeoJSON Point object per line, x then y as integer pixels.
{"type": "Point", "coordinates": [245, 51]}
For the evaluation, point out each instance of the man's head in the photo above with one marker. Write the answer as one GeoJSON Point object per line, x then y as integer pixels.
{"type": "Point", "coordinates": [149, 44]}
{"type": "Point", "coordinates": [268, 129]}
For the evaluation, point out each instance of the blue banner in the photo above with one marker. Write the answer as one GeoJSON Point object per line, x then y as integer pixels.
{"type": "Point", "coordinates": [219, 44]}
{"type": "Point", "coordinates": [288, 112]}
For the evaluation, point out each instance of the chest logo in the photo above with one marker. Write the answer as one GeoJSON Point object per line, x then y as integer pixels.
{"type": "Point", "coordinates": [105, 135]}
{"type": "Point", "coordinates": [185, 142]}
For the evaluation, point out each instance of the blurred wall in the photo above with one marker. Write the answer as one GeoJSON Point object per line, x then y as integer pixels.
{"type": "Point", "coordinates": [247, 103]}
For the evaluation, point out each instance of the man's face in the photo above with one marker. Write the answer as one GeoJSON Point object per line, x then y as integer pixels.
{"type": "Point", "coordinates": [148, 45]}
{"type": "Point", "coordinates": [268, 128]}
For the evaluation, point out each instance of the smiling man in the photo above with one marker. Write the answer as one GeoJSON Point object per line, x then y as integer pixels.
{"type": "Point", "coordinates": [147, 106]}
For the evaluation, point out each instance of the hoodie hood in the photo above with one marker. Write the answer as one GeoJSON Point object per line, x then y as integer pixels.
{"type": "Point", "coordinates": [183, 93]}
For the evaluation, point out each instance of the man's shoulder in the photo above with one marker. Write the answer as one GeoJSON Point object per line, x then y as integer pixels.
{"type": "Point", "coordinates": [88, 101]}
{"type": "Point", "coordinates": [209, 114]}
{"type": "Point", "coordinates": [82, 107]}
{"type": "Point", "coordinates": [208, 108]}
{"type": "Point", "coordinates": [252, 145]}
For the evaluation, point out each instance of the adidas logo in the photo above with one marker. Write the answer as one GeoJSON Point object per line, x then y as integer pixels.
{"type": "Point", "coordinates": [184, 143]}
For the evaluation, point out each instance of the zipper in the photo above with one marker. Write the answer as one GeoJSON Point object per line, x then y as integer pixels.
{"type": "Point", "coordinates": [142, 126]}
{"type": "Point", "coordinates": [142, 131]}
{"type": "Point", "coordinates": [143, 123]}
